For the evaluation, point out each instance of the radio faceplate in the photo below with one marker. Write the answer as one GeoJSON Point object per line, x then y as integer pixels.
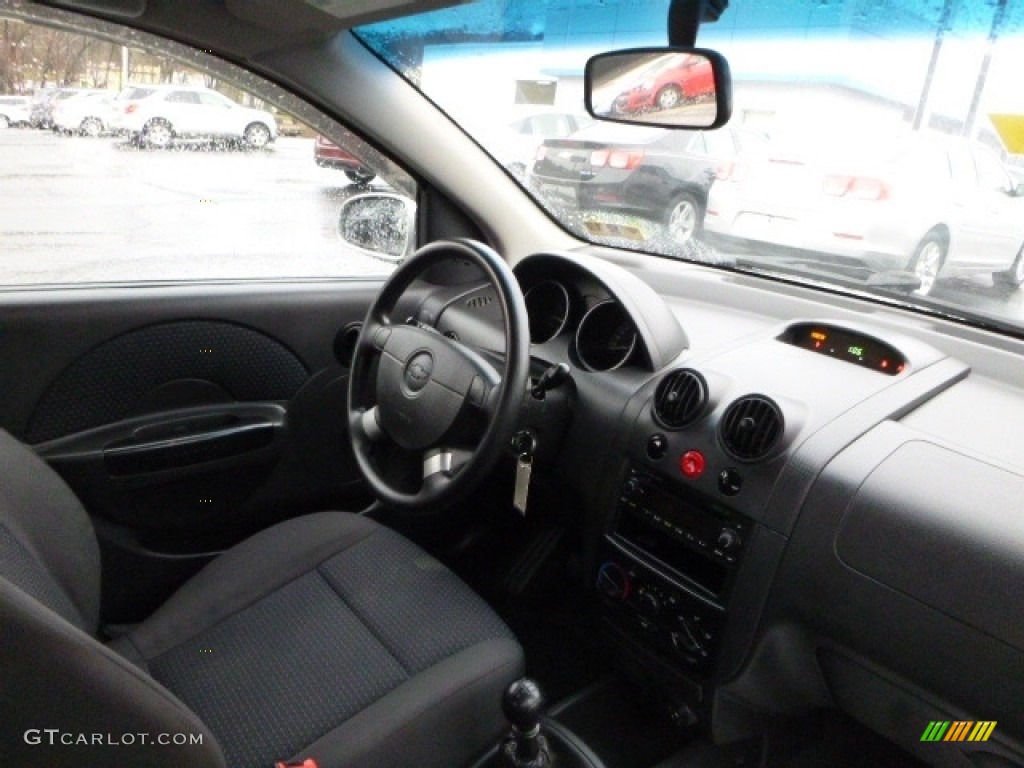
{"type": "Point", "coordinates": [699, 540]}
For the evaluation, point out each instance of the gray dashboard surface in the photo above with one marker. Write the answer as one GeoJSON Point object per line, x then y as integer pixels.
{"type": "Point", "coordinates": [945, 529]}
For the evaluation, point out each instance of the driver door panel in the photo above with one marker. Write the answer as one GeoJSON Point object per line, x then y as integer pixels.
{"type": "Point", "coordinates": [184, 418]}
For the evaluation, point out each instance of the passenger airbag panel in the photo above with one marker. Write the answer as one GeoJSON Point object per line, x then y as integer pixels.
{"type": "Point", "coordinates": [945, 529]}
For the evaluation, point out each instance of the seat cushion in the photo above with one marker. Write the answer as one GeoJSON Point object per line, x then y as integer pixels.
{"type": "Point", "coordinates": [331, 636]}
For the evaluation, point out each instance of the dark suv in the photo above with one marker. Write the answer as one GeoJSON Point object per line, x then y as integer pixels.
{"type": "Point", "coordinates": [654, 173]}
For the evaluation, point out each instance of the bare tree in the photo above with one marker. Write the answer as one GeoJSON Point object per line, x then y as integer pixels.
{"type": "Point", "coordinates": [34, 56]}
{"type": "Point", "coordinates": [12, 55]}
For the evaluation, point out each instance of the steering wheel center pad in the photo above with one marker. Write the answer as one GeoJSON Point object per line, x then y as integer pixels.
{"type": "Point", "coordinates": [423, 382]}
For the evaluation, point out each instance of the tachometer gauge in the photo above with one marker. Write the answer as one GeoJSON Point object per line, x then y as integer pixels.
{"type": "Point", "coordinates": [606, 337]}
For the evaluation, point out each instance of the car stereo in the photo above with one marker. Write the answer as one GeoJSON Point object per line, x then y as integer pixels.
{"type": "Point", "coordinates": [697, 539]}
{"type": "Point", "coordinates": [666, 567]}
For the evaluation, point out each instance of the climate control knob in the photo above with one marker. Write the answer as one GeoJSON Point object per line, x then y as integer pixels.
{"type": "Point", "coordinates": [614, 581]}
{"type": "Point", "coordinates": [685, 640]}
{"type": "Point", "coordinates": [648, 603]}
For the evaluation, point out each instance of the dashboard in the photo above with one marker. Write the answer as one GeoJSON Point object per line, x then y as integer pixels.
{"type": "Point", "coordinates": [779, 487]}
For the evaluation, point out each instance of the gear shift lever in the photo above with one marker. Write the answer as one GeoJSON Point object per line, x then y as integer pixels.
{"type": "Point", "coordinates": [523, 705]}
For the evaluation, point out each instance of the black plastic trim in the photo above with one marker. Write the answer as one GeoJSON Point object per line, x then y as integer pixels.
{"type": "Point", "coordinates": [175, 453]}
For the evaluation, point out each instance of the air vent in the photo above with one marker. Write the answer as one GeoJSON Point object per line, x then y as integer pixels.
{"type": "Point", "coordinates": [680, 398]}
{"type": "Point", "coordinates": [751, 427]}
{"type": "Point", "coordinates": [478, 301]}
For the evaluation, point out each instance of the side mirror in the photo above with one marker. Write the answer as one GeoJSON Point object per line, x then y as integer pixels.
{"type": "Point", "coordinates": [380, 224]}
{"type": "Point", "coordinates": [665, 87]}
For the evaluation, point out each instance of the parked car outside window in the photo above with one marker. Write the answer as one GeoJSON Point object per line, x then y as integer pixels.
{"type": "Point", "coordinates": [46, 102]}
{"type": "Point", "coordinates": [659, 176]}
{"type": "Point", "coordinates": [86, 114]}
{"type": "Point", "coordinates": [160, 115]}
{"type": "Point", "coordinates": [14, 110]}
{"type": "Point", "coordinates": [902, 204]}
{"type": "Point", "coordinates": [327, 154]}
{"type": "Point", "coordinates": [514, 144]}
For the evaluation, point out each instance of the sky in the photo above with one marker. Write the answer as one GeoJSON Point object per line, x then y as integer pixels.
{"type": "Point", "coordinates": [881, 47]}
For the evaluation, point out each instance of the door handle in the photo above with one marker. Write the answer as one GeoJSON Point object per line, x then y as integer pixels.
{"type": "Point", "coordinates": [155, 455]}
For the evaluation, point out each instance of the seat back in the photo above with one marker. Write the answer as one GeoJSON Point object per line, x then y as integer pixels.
{"type": "Point", "coordinates": [47, 544]}
{"type": "Point", "coordinates": [66, 700]}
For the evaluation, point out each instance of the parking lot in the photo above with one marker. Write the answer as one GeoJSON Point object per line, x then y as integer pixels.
{"type": "Point", "coordinates": [96, 210]}
{"type": "Point", "coordinates": [83, 210]}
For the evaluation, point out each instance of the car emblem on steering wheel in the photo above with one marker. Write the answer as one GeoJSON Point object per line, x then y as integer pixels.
{"type": "Point", "coordinates": [418, 370]}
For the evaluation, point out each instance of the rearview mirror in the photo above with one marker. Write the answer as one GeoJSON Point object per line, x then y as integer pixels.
{"type": "Point", "coordinates": [666, 87]}
{"type": "Point", "coordinates": [380, 224]}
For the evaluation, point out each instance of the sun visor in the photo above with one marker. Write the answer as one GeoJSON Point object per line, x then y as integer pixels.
{"type": "Point", "coordinates": [292, 17]}
{"type": "Point", "coordinates": [125, 9]}
{"type": "Point", "coordinates": [301, 14]}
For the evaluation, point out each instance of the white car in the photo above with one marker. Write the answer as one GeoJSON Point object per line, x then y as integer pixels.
{"type": "Point", "coordinates": [930, 206]}
{"type": "Point", "coordinates": [157, 115]}
{"type": "Point", "coordinates": [87, 114]}
{"type": "Point", "coordinates": [14, 110]}
{"type": "Point", "coordinates": [515, 144]}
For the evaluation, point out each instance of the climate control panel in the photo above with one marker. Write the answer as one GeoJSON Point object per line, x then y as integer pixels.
{"type": "Point", "coordinates": [678, 624]}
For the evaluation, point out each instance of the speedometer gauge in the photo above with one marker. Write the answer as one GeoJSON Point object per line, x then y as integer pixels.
{"type": "Point", "coordinates": [606, 337]}
{"type": "Point", "coordinates": [547, 305]}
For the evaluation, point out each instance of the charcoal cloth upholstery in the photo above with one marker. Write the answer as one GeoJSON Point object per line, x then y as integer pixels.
{"type": "Point", "coordinates": [327, 636]}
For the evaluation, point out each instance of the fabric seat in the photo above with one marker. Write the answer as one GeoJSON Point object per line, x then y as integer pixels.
{"type": "Point", "coordinates": [328, 636]}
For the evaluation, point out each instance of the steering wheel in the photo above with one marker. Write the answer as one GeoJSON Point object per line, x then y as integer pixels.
{"type": "Point", "coordinates": [427, 416]}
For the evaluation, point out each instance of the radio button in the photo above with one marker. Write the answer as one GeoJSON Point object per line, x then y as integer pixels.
{"type": "Point", "coordinates": [657, 446]}
{"type": "Point", "coordinates": [728, 540]}
{"type": "Point", "coordinates": [630, 488]}
{"type": "Point", "coordinates": [729, 482]}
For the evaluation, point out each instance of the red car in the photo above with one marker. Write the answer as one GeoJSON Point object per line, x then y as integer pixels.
{"type": "Point", "coordinates": [330, 155]}
{"type": "Point", "coordinates": [667, 84]}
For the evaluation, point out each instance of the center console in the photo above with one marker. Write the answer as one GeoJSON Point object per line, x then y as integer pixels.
{"type": "Point", "coordinates": [665, 570]}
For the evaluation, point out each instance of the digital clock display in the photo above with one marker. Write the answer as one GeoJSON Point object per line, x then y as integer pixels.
{"type": "Point", "coordinates": [847, 345]}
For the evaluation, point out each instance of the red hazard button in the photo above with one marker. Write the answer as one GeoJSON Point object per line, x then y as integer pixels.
{"type": "Point", "coordinates": [691, 464]}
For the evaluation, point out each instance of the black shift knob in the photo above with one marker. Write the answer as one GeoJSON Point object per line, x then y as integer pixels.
{"type": "Point", "coordinates": [523, 705]}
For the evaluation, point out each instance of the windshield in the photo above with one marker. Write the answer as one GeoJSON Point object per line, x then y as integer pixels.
{"type": "Point", "coordinates": [877, 147]}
